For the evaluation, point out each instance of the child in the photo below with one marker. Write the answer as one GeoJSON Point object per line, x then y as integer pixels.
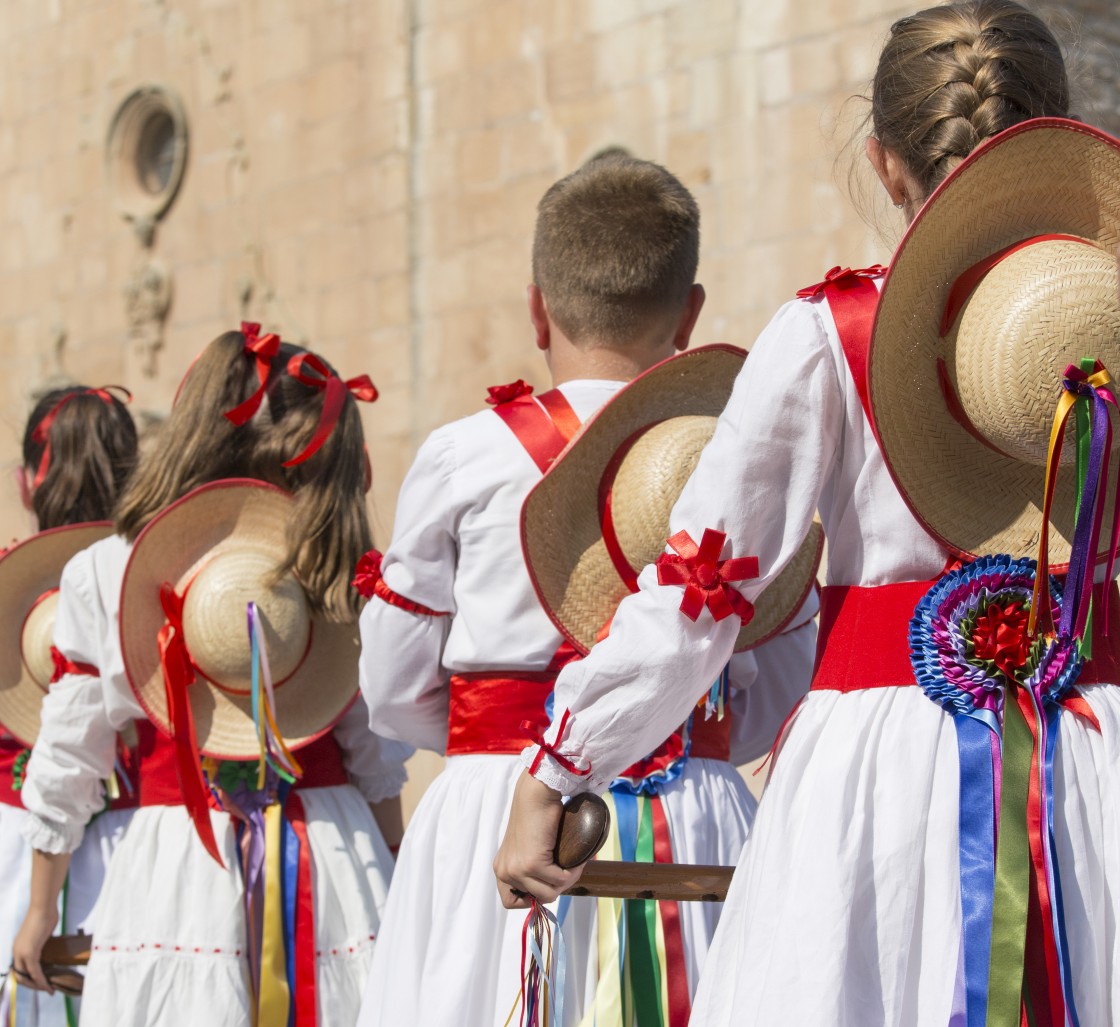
{"type": "Point", "coordinates": [79, 446]}
{"type": "Point", "coordinates": [174, 924]}
{"type": "Point", "coordinates": [846, 907]}
{"type": "Point", "coordinates": [456, 650]}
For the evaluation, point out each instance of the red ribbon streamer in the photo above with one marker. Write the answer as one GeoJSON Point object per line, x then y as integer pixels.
{"type": "Point", "coordinates": [63, 666]}
{"type": "Point", "coordinates": [303, 993]}
{"type": "Point", "coordinates": [311, 371]}
{"type": "Point", "coordinates": [41, 433]}
{"type": "Point", "coordinates": [178, 675]}
{"type": "Point", "coordinates": [676, 973]}
{"type": "Point", "coordinates": [705, 577]}
{"type": "Point", "coordinates": [533, 732]}
{"type": "Point", "coordinates": [263, 349]}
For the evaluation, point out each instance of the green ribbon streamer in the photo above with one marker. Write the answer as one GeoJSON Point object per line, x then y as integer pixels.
{"type": "Point", "coordinates": [1082, 433]}
{"type": "Point", "coordinates": [1013, 869]}
{"type": "Point", "coordinates": [641, 918]}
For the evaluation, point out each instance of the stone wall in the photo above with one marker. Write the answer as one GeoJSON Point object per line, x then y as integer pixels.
{"type": "Point", "coordinates": [362, 176]}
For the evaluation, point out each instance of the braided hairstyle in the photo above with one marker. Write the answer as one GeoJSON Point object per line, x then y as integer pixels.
{"type": "Point", "coordinates": [951, 77]}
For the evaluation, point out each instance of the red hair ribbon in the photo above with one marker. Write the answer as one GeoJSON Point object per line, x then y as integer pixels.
{"type": "Point", "coordinates": [533, 732]}
{"type": "Point", "coordinates": [705, 577]}
{"type": "Point", "coordinates": [499, 394]}
{"type": "Point", "coordinates": [263, 349]}
{"type": "Point", "coordinates": [309, 369]}
{"type": "Point", "coordinates": [178, 676]}
{"type": "Point", "coordinates": [40, 435]}
{"type": "Point", "coordinates": [63, 666]}
{"type": "Point", "coordinates": [840, 274]}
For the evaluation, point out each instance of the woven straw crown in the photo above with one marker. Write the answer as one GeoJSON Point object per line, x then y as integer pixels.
{"type": "Point", "coordinates": [29, 577]}
{"type": "Point", "coordinates": [964, 417]}
{"type": "Point", "coordinates": [220, 547]}
{"type": "Point", "coordinates": [640, 448]}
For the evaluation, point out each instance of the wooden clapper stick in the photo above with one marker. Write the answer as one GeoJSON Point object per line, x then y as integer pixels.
{"type": "Point", "coordinates": [583, 830]}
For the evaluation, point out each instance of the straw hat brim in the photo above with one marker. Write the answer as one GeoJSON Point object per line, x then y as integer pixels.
{"type": "Point", "coordinates": [572, 573]}
{"type": "Point", "coordinates": [1040, 177]}
{"type": "Point", "coordinates": [228, 515]}
{"type": "Point", "coordinates": [27, 570]}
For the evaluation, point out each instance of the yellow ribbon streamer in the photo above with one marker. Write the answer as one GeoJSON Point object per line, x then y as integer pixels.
{"type": "Point", "coordinates": [606, 1010]}
{"type": "Point", "coordinates": [274, 998]}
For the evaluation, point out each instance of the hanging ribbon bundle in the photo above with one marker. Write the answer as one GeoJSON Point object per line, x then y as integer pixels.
{"type": "Point", "coordinates": [542, 971]}
{"type": "Point", "coordinates": [313, 372]}
{"type": "Point", "coordinates": [984, 647]}
{"type": "Point", "coordinates": [40, 435]}
{"type": "Point", "coordinates": [274, 752]}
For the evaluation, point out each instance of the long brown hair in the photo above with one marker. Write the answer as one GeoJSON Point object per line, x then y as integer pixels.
{"type": "Point", "coordinates": [92, 442]}
{"type": "Point", "coordinates": [951, 77]}
{"type": "Point", "coordinates": [330, 530]}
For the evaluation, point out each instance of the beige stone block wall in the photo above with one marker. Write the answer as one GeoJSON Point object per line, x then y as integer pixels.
{"type": "Point", "coordinates": [363, 174]}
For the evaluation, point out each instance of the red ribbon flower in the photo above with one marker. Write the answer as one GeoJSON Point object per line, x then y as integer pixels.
{"type": "Point", "coordinates": [705, 577]}
{"type": "Point", "coordinates": [498, 394]}
{"type": "Point", "coordinates": [999, 636]}
{"type": "Point", "coordinates": [840, 274]}
{"type": "Point", "coordinates": [367, 574]}
{"type": "Point", "coordinates": [263, 349]}
{"type": "Point", "coordinates": [309, 369]}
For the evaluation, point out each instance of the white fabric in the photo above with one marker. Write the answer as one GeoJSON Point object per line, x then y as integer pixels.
{"type": "Point", "coordinates": [450, 953]}
{"type": "Point", "coordinates": [170, 927]}
{"type": "Point", "coordinates": [845, 909]}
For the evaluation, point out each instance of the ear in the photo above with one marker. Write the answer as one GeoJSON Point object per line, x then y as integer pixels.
{"type": "Point", "coordinates": [888, 166]}
{"type": "Point", "coordinates": [538, 314]}
{"type": "Point", "coordinates": [692, 307]}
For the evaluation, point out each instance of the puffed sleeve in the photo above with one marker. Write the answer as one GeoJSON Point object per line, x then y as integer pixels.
{"type": "Point", "coordinates": [405, 625]}
{"type": "Point", "coordinates": [758, 481]}
{"type": "Point", "coordinates": [76, 748]}
{"type": "Point", "coordinates": [375, 765]}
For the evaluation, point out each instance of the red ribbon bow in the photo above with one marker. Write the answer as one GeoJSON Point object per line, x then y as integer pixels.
{"type": "Point", "coordinates": [531, 730]}
{"type": "Point", "coordinates": [840, 274]}
{"type": "Point", "coordinates": [178, 676]}
{"type": "Point", "coordinates": [498, 394]}
{"type": "Point", "coordinates": [263, 349]}
{"type": "Point", "coordinates": [63, 666]}
{"type": "Point", "coordinates": [41, 433]}
{"type": "Point", "coordinates": [367, 574]}
{"type": "Point", "coordinates": [311, 371]}
{"type": "Point", "coordinates": [705, 577]}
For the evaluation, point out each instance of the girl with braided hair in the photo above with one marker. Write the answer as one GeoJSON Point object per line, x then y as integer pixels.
{"type": "Point", "coordinates": [849, 905]}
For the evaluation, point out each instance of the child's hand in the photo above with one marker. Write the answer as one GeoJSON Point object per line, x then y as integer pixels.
{"type": "Point", "coordinates": [27, 949]}
{"type": "Point", "coordinates": [524, 864]}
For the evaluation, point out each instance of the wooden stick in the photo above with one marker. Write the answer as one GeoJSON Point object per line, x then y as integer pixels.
{"type": "Point", "coordinates": [672, 882]}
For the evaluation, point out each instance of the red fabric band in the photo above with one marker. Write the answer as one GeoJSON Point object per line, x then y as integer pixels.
{"type": "Point", "coordinates": [543, 426]}
{"type": "Point", "coordinates": [10, 751]}
{"type": "Point", "coordinates": [369, 583]}
{"type": "Point", "coordinates": [863, 639]}
{"type": "Point", "coordinates": [63, 666]}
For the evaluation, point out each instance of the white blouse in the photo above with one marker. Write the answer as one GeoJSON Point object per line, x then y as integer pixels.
{"type": "Point", "coordinates": [793, 440]}
{"type": "Point", "coordinates": [81, 715]}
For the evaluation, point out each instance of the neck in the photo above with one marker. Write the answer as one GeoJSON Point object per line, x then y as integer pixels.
{"type": "Point", "coordinates": [567, 363]}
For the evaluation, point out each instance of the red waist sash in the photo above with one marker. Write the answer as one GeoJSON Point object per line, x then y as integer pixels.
{"type": "Point", "coordinates": [10, 750]}
{"type": "Point", "coordinates": [321, 761]}
{"type": "Point", "coordinates": [487, 711]}
{"type": "Point", "coordinates": [863, 639]}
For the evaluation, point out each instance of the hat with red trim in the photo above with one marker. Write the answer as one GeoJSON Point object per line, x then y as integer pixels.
{"type": "Point", "coordinates": [1007, 275]}
{"type": "Point", "coordinates": [29, 575]}
{"type": "Point", "coordinates": [195, 654]}
{"type": "Point", "coordinates": [601, 513]}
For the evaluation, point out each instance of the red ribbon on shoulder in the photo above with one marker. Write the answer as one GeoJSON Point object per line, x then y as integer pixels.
{"type": "Point", "coordinates": [311, 371]}
{"type": "Point", "coordinates": [498, 394]}
{"type": "Point", "coordinates": [840, 274]}
{"type": "Point", "coordinates": [178, 676]}
{"type": "Point", "coordinates": [705, 577]}
{"type": "Point", "coordinates": [532, 731]}
{"type": "Point", "coordinates": [263, 349]}
{"type": "Point", "coordinates": [41, 433]}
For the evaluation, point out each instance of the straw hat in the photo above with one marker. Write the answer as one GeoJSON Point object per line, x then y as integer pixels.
{"type": "Point", "coordinates": [640, 449]}
{"type": "Point", "coordinates": [964, 418]}
{"type": "Point", "coordinates": [219, 547]}
{"type": "Point", "coordinates": [29, 576]}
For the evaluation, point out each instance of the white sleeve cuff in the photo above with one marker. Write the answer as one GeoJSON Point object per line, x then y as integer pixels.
{"type": "Point", "coordinates": [50, 836]}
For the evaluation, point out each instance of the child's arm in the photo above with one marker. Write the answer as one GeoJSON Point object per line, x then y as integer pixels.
{"type": "Point", "coordinates": [48, 874]}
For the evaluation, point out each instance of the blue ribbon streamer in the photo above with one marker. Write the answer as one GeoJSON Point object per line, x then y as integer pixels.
{"type": "Point", "coordinates": [289, 893]}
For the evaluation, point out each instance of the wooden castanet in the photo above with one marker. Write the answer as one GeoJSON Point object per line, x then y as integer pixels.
{"type": "Point", "coordinates": [584, 826]}
{"type": "Point", "coordinates": [67, 950]}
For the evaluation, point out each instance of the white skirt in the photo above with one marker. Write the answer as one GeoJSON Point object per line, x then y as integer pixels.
{"type": "Point", "coordinates": [170, 926]}
{"type": "Point", "coordinates": [450, 953]}
{"type": "Point", "coordinates": [87, 873]}
{"type": "Point", "coordinates": [845, 909]}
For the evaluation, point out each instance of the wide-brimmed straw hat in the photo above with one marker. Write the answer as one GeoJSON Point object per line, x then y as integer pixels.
{"type": "Point", "coordinates": [970, 343]}
{"type": "Point", "coordinates": [601, 513]}
{"type": "Point", "coordinates": [29, 576]}
{"type": "Point", "coordinates": [220, 547]}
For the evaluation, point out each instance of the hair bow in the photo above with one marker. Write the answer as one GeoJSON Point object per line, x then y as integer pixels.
{"type": "Point", "coordinates": [311, 371]}
{"type": "Point", "coordinates": [263, 349]}
{"type": "Point", "coordinates": [40, 435]}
